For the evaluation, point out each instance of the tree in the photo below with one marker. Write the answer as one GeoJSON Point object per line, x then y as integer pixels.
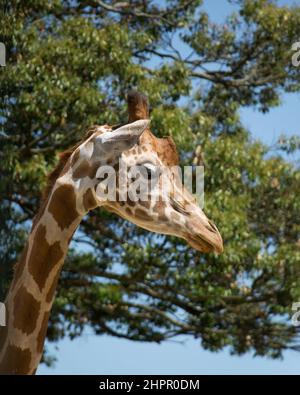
{"type": "Point", "coordinates": [69, 65]}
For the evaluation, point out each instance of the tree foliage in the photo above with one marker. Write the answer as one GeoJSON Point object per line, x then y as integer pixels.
{"type": "Point", "coordinates": [69, 65]}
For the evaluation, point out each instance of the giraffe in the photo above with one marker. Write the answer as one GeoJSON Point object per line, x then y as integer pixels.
{"type": "Point", "coordinates": [72, 191]}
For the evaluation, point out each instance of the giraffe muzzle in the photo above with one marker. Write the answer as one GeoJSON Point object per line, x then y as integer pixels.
{"type": "Point", "coordinates": [204, 236]}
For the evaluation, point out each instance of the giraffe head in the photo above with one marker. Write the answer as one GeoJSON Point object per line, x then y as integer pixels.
{"type": "Point", "coordinates": [129, 171]}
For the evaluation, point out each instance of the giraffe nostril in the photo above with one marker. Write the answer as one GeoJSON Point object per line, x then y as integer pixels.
{"type": "Point", "coordinates": [178, 206]}
{"type": "Point", "coordinates": [212, 227]}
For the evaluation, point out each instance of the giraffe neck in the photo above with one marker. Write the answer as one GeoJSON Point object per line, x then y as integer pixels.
{"type": "Point", "coordinates": [30, 297]}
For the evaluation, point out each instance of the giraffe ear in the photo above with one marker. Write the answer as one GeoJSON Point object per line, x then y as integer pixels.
{"type": "Point", "coordinates": [124, 137]}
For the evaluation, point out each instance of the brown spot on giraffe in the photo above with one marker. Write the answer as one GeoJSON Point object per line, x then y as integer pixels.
{"type": "Point", "coordinates": [130, 202]}
{"type": "Point", "coordinates": [128, 211]}
{"type": "Point", "coordinates": [82, 170]}
{"type": "Point", "coordinates": [3, 333]}
{"type": "Point", "coordinates": [89, 201]}
{"type": "Point", "coordinates": [17, 360]}
{"type": "Point", "coordinates": [133, 152]}
{"type": "Point", "coordinates": [142, 214]}
{"type": "Point", "coordinates": [63, 206]}
{"type": "Point", "coordinates": [160, 209]}
{"type": "Point", "coordinates": [145, 203]}
{"type": "Point", "coordinates": [42, 332]}
{"type": "Point", "coordinates": [26, 311]}
{"type": "Point", "coordinates": [139, 150]}
{"type": "Point", "coordinates": [43, 257]}
{"type": "Point", "coordinates": [93, 170]}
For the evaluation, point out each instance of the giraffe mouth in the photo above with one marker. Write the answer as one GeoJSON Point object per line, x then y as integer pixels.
{"type": "Point", "coordinates": [207, 240]}
{"type": "Point", "coordinates": [200, 244]}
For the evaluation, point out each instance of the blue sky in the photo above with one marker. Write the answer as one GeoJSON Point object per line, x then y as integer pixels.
{"type": "Point", "coordinates": [92, 354]}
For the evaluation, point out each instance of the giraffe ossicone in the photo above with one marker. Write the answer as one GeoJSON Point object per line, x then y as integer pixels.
{"type": "Point", "coordinates": [76, 187]}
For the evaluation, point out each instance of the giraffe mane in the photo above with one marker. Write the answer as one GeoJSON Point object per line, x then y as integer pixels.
{"type": "Point", "coordinates": [63, 159]}
{"type": "Point", "coordinates": [54, 174]}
